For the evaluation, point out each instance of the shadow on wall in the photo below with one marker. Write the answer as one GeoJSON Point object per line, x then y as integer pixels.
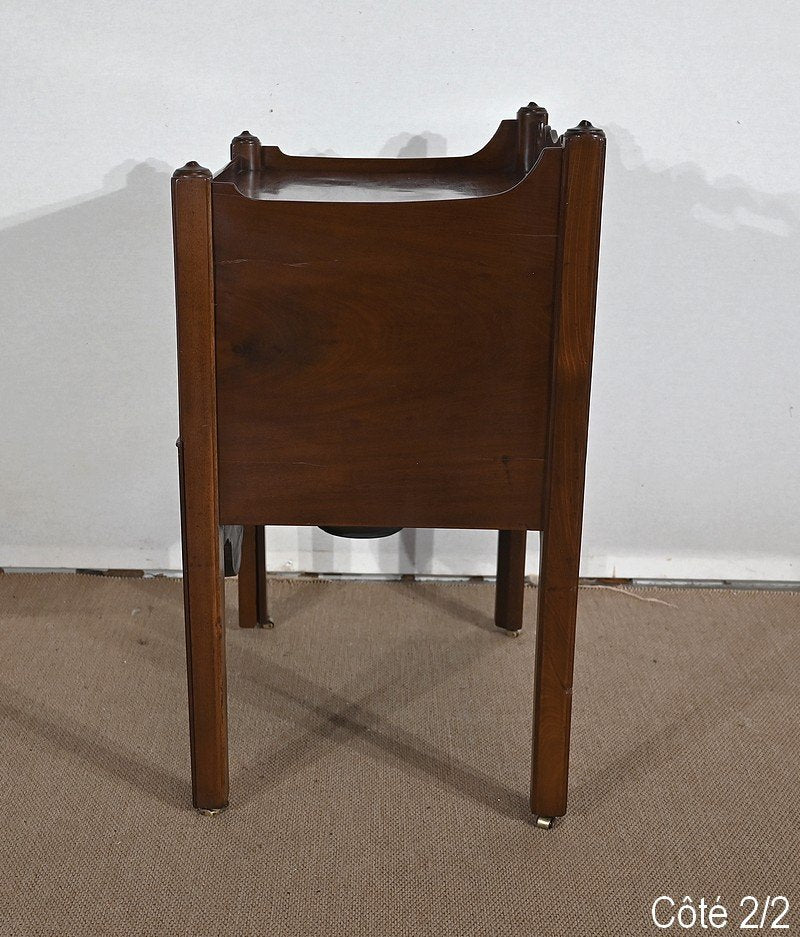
{"type": "Point", "coordinates": [417, 145]}
{"type": "Point", "coordinates": [89, 474]}
{"type": "Point", "coordinates": [404, 144]}
{"type": "Point", "coordinates": [695, 431]}
{"type": "Point", "coordinates": [89, 467]}
{"type": "Point", "coordinates": [695, 428]}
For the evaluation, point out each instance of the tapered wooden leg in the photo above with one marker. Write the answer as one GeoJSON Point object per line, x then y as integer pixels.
{"type": "Point", "coordinates": [248, 600]}
{"type": "Point", "coordinates": [203, 584]}
{"type": "Point", "coordinates": [203, 605]}
{"type": "Point", "coordinates": [264, 618]}
{"type": "Point", "coordinates": [555, 649]}
{"type": "Point", "coordinates": [253, 610]}
{"type": "Point", "coordinates": [579, 237]}
{"type": "Point", "coordinates": [509, 595]}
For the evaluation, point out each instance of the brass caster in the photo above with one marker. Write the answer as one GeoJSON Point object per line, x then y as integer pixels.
{"type": "Point", "coordinates": [545, 823]}
{"type": "Point", "coordinates": [209, 812]}
{"type": "Point", "coordinates": [509, 633]}
{"type": "Point", "coordinates": [269, 624]}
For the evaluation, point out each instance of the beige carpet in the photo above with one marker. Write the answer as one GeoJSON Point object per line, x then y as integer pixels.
{"type": "Point", "coordinates": [379, 760]}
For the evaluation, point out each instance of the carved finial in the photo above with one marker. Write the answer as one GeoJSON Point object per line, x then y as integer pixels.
{"type": "Point", "coordinates": [587, 127]}
{"type": "Point", "coordinates": [192, 168]}
{"type": "Point", "coordinates": [532, 134]}
{"type": "Point", "coordinates": [248, 148]}
{"type": "Point", "coordinates": [533, 108]}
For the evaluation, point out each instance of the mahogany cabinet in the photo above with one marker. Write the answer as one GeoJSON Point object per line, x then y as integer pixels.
{"type": "Point", "coordinates": [388, 343]}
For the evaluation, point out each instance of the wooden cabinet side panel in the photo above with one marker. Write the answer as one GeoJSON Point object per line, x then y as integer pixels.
{"type": "Point", "coordinates": [385, 363]}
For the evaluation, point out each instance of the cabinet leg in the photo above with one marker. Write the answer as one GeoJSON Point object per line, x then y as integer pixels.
{"type": "Point", "coordinates": [510, 588]}
{"type": "Point", "coordinates": [204, 616]}
{"type": "Point", "coordinates": [201, 535]}
{"type": "Point", "coordinates": [565, 463]}
{"type": "Point", "coordinates": [253, 606]}
{"type": "Point", "coordinates": [264, 618]}
{"type": "Point", "coordinates": [555, 651]}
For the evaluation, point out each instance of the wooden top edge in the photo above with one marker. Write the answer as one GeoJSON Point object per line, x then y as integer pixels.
{"type": "Point", "coordinates": [504, 128]}
{"type": "Point", "coordinates": [377, 174]}
{"type": "Point", "coordinates": [489, 155]}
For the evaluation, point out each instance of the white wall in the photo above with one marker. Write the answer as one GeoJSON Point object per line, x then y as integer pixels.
{"type": "Point", "coordinates": [695, 428]}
